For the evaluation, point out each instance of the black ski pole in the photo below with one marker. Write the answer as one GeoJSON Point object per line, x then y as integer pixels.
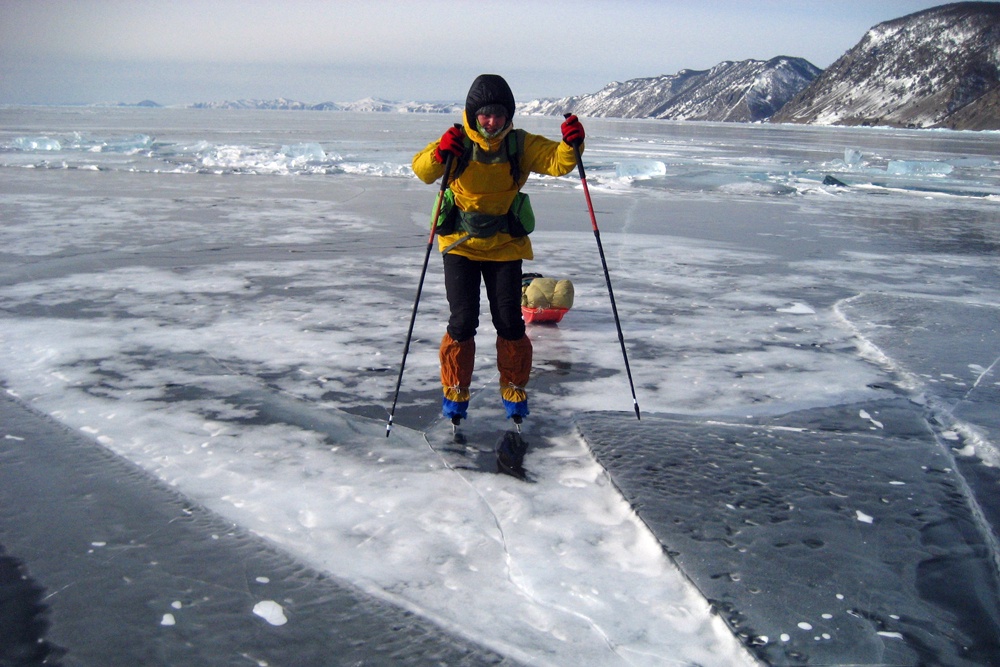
{"type": "Point", "coordinates": [607, 275]}
{"type": "Point", "coordinates": [420, 286]}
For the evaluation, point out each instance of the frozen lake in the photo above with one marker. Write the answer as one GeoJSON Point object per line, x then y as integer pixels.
{"type": "Point", "coordinates": [203, 318]}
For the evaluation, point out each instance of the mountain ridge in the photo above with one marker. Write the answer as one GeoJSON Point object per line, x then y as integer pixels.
{"type": "Point", "coordinates": [937, 68]}
{"type": "Point", "coordinates": [732, 91]}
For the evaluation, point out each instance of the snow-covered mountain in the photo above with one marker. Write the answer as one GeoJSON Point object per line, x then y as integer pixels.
{"type": "Point", "coordinates": [934, 68]}
{"type": "Point", "coordinates": [279, 103]}
{"type": "Point", "coordinates": [375, 104]}
{"type": "Point", "coordinates": [744, 91]}
{"type": "Point", "coordinates": [370, 104]}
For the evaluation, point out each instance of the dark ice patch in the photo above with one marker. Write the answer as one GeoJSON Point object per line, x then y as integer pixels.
{"type": "Point", "coordinates": [117, 551]}
{"type": "Point", "coordinates": [829, 536]}
{"type": "Point", "coordinates": [951, 350]}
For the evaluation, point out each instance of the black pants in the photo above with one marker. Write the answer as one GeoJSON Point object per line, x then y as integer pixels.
{"type": "Point", "coordinates": [503, 289]}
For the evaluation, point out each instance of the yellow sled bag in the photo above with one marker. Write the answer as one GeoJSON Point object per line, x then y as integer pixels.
{"type": "Point", "coordinates": [545, 299]}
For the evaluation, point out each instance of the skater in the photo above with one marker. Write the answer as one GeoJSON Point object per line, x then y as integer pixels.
{"type": "Point", "coordinates": [484, 235]}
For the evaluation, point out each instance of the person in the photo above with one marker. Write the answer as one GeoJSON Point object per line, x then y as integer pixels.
{"type": "Point", "coordinates": [482, 242]}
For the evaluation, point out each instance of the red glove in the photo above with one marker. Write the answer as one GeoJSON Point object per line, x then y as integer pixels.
{"type": "Point", "coordinates": [572, 131]}
{"type": "Point", "coordinates": [453, 142]}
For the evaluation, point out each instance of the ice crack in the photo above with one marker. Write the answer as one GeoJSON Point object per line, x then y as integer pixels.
{"type": "Point", "coordinates": [980, 377]}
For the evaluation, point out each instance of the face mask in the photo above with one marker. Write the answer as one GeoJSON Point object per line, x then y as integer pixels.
{"type": "Point", "coordinates": [489, 135]}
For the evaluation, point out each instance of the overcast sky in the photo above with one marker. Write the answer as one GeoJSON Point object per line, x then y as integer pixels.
{"type": "Point", "coordinates": [183, 51]}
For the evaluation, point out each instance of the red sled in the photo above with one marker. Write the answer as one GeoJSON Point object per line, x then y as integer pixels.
{"type": "Point", "coordinates": [543, 315]}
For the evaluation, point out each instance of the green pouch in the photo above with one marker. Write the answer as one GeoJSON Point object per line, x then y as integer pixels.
{"type": "Point", "coordinates": [445, 220]}
{"type": "Point", "coordinates": [521, 217]}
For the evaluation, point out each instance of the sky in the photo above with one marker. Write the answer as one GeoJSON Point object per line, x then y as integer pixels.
{"type": "Point", "coordinates": [185, 51]}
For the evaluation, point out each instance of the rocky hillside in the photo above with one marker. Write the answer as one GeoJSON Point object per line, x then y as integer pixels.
{"type": "Point", "coordinates": [935, 68]}
{"type": "Point", "coordinates": [745, 91]}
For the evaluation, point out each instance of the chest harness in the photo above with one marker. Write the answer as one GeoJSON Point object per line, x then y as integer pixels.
{"type": "Point", "coordinates": [518, 221]}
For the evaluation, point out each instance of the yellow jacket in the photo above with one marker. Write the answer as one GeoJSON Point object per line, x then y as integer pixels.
{"type": "Point", "coordinates": [489, 188]}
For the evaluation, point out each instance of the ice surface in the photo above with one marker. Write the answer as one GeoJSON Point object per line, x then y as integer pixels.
{"type": "Point", "coordinates": [310, 151]}
{"type": "Point", "coordinates": [36, 144]}
{"type": "Point", "coordinates": [632, 169]}
{"type": "Point", "coordinates": [854, 529]}
{"type": "Point", "coordinates": [926, 172]}
{"type": "Point", "coordinates": [121, 554]}
{"type": "Point", "coordinates": [128, 145]}
{"type": "Point", "coordinates": [852, 157]}
{"type": "Point", "coordinates": [917, 167]}
{"type": "Point", "coordinates": [230, 317]}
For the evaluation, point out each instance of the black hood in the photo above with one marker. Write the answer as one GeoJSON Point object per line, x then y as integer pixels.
{"type": "Point", "coordinates": [489, 89]}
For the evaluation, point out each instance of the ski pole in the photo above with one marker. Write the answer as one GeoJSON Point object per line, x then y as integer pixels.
{"type": "Point", "coordinates": [607, 275]}
{"type": "Point", "coordinates": [420, 286]}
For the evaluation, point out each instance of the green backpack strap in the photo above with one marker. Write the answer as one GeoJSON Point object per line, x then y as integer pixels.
{"type": "Point", "coordinates": [462, 162]}
{"type": "Point", "coordinates": [515, 141]}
